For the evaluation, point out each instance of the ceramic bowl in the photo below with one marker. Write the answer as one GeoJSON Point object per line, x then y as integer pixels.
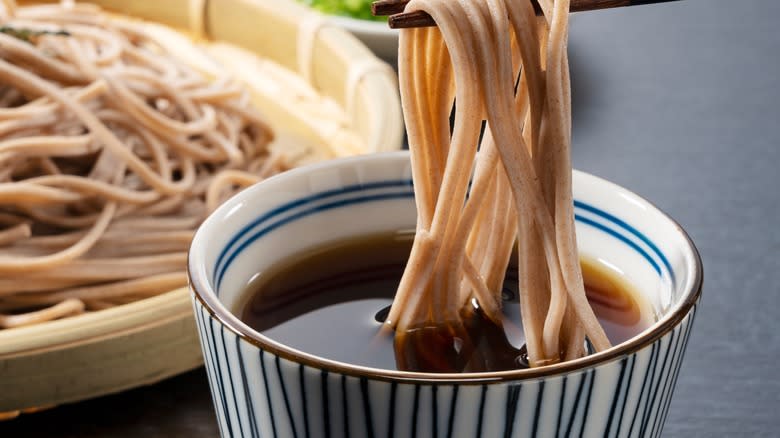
{"type": "Point", "coordinates": [263, 388]}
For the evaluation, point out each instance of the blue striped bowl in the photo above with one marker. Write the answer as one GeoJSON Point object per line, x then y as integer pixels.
{"type": "Point", "coordinates": [261, 388]}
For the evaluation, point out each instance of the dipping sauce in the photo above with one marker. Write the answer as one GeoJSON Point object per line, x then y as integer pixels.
{"type": "Point", "coordinates": [332, 301]}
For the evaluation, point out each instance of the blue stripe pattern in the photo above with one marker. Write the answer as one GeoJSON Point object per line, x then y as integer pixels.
{"type": "Point", "coordinates": [620, 237]}
{"type": "Point", "coordinates": [624, 225]}
{"type": "Point", "coordinates": [624, 398]}
{"type": "Point", "coordinates": [229, 252]}
{"type": "Point", "coordinates": [380, 191]}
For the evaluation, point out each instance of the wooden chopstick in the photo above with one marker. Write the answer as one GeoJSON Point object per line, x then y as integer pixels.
{"type": "Point", "coordinates": [400, 19]}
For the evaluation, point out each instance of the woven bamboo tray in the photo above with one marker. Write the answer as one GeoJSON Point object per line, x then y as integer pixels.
{"type": "Point", "coordinates": [144, 342]}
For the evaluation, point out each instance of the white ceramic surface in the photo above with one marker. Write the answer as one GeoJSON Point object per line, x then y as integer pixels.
{"type": "Point", "coordinates": [262, 388]}
{"type": "Point", "coordinates": [374, 34]}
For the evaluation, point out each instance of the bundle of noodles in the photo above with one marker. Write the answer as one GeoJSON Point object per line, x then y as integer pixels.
{"type": "Point", "coordinates": [500, 63]}
{"type": "Point", "coordinates": [111, 154]}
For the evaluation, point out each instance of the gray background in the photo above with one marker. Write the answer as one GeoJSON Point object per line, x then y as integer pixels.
{"type": "Point", "coordinates": [681, 104]}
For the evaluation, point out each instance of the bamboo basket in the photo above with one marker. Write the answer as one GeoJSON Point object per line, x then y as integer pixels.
{"type": "Point", "coordinates": [146, 341]}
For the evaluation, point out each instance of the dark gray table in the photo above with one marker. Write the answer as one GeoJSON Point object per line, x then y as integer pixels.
{"type": "Point", "coordinates": [680, 103]}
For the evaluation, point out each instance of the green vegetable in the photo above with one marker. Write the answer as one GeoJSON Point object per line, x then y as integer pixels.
{"type": "Point", "coordinates": [29, 35]}
{"type": "Point", "coordinates": [360, 9]}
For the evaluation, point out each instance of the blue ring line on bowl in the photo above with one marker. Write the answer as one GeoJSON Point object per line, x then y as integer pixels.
{"type": "Point", "coordinates": [371, 192]}
{"type": "Point", "coordinates": [585, 213]}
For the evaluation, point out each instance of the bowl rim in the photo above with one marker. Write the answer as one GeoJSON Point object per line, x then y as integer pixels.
{"type": "Point", "coordinates": [201, 290]}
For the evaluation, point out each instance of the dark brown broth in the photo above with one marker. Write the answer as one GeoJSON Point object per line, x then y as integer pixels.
{"type": "Point", "coordinates": [329, 303]}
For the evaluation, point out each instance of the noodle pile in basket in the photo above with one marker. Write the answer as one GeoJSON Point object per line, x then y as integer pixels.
{"type": "Point", "coordinates": [111, 154]}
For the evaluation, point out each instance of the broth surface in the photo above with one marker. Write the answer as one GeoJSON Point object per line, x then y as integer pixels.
{"type": "Point", "coordinates": [331, 302]}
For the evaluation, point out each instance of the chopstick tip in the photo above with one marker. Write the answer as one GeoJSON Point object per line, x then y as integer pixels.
{"type": "Point", "coordinates": [388, 7]}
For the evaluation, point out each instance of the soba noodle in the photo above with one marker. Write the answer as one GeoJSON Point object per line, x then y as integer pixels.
{"type": "Point", "coordinates": [500, 63]}
{"type": "Point", "coordinates": [111, 154]}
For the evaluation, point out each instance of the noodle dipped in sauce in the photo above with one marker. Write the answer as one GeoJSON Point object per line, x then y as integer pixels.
{"type": "Point", "coordinates": [330, 301]}
{"type": "Point", "coordinates": [497, 62]}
